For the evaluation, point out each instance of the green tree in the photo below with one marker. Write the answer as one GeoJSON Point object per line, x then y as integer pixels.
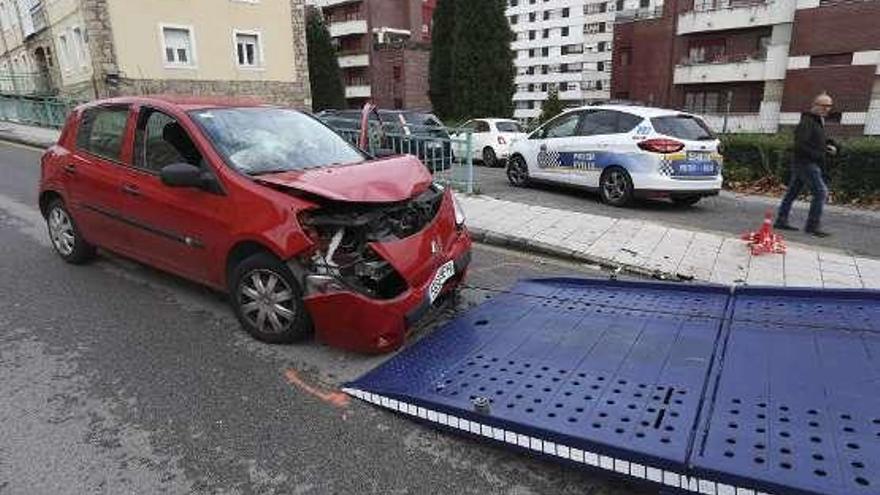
{"type": "Point", "coordinates": [482, 65]}
{"type": "Point", "coordinates": [551, 107]}
{"type": "Point", "coordinates": [325, 77]}
{"type": "Point", "coordinates": [440, 65]}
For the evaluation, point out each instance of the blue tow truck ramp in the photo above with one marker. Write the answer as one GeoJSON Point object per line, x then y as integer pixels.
{"type": "Point", "coordinates": [699, 389]}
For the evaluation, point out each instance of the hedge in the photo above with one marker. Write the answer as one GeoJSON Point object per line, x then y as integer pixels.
{"type": "Point", "coordinates": [854, 174]}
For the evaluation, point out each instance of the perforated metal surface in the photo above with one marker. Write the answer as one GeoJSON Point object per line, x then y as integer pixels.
{"type": "Point", "coordinates": [571, 359]}
{"type": "Point", "coordinates": [798, 399]}
{"type": "Point", "coordinates": [695, 388]}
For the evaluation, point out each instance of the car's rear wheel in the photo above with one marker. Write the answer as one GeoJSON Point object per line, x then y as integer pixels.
{"type": "Point", "coordinates": [689, 200]}
{"type": "Point", "coordinates": [616, 187]}
{"type": "Point", "coordinates": [65, 235]}
{"type": "Point", "coordinates": [489, 158]}
{"type": "Point", "coordinates": [268, 301]}
{"type": "Point", "coordinates": [518, 171]}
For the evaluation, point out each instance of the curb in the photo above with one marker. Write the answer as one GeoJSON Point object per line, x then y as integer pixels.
{"type": "Point", "coordinates": [25, 141]}
{"type": "Point", "coordinates": [540, 248]}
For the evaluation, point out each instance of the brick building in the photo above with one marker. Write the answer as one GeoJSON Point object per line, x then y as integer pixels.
{"type": "Point", "coordinates": [96, 48]}
{"type": "Point", "coordinates": [759, 62]}
{"type": "Point", "coordinates": [384, 48]}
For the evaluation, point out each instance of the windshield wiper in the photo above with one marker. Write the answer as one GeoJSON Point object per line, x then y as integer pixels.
{"type": "Point", "coordinates": [269, 171]}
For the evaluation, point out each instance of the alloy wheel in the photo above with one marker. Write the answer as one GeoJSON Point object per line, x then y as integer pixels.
{"type": "Point", "coordinates": [61, 231]}
{"type": "Point", "coordinates": [615, 185]}
{"type": "Point", "coordinates": [267, 301]}
{"type": "Point", "coordinates": [516, 172]}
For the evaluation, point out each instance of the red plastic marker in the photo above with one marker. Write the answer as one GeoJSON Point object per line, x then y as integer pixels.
{"type": "Point", "coordinates": [765, 240]}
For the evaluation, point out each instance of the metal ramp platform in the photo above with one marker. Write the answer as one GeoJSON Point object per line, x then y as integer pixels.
{"type": "Point", "coordinates": [696, 388]}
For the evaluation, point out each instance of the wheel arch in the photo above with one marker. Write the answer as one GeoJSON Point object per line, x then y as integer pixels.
{"type": "Point", "coordinates": [46, 198]}
{"type": "Point", "coordinates": [244, 249]}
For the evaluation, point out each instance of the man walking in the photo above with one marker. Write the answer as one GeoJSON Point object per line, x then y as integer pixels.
{"type": "Point", "coordinates": [810, 147]}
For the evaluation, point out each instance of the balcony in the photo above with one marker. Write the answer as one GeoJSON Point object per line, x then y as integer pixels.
{"type": "Point", "coordinates": [347, 60]}
{"type": "Point", "coordinates": [347, 27]}
{"type": "Point", "coordinates": [358, 91]}
{"type": "Point", "coordinates": [719, 15]}
{"type": "Point", "coordinates": [722, 68]}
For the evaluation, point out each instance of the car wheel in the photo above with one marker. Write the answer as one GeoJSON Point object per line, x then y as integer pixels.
{"type": "Point", "coordinates": [66, 238]}
{"type": "Point", "coordinates": [518, 171]}
{"type": "Point", "coordinates": [616, 187]}
{"type": "Point", "coordinates": [268, 301]}
{"type": "Point", "coordinates": [686, 200]}
{"type": "Point", "coordinates": [489, 158]}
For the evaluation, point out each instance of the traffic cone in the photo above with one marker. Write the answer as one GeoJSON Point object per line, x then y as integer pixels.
{"type": "Point", "coordinates": [765, 240]}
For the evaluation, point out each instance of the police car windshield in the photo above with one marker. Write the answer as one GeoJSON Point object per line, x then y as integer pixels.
{"type": "Point", "coordinates": [682, 127]}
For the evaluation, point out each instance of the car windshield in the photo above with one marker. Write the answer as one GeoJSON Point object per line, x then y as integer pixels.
{"type": "Point", "coordinates": [508, 127]}
{"type": "Point", "coordinates": [266, 140]}
{"type": "Point", "coordinates": [682, 127]}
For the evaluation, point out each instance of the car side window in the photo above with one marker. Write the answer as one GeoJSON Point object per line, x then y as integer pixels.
{"type": "Point", "coordinates": [160, 141]}
{"type": "Point", "coordinates": [102, 131]}
{"type": "Point", "coordinates": [599, 122]}
{"type": "Point", "coordinates": [482, 126]}
{"type": "Point", "coordinates": [562, 126]}
{"type": "Point", "coordinates": [626, 122]}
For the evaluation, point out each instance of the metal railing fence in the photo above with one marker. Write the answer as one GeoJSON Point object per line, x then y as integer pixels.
{"type": "Point", "coordinates": [38, 111]}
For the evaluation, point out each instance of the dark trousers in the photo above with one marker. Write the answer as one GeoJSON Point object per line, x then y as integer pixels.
{"type": "Point", "coordinates": [805, 175]}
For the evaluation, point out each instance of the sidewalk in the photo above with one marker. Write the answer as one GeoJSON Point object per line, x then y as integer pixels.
{"type": "Point", "coordinates": [638, 246]}
{"type": "Point", "coordinates": [652, 249]}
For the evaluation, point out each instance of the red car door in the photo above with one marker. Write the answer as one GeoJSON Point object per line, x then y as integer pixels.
{"type": "Point", "coordinates": [182, 230]}
{"type": "Point", "coordinates": [94, 169]}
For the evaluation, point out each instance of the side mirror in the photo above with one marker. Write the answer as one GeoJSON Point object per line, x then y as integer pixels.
{"type": "Point", "coordinates": [182, 175]}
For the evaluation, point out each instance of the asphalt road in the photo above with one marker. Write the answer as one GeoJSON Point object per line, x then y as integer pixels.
{"type": "Point", "coordinates": [854, 231]}
{"type": "Point", "coordinates": [116, 378]}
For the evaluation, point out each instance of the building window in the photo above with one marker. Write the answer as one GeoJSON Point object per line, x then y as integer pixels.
{"type": "Point", "coordinates": [532, 17]}
{"type": "Point", "coordinates": [594, 27]}
{"type": "Point", "coordinates": [532, 35]}
{"type": "Point", "coordinates": [514, 19]}
{"type": "Point", "coordinates": [545, 52]}
{"type": "Point", "coordinates": [247, 49]}
{"type": "Point", "coordinates": [600, 66]}
{"type": "Point", "coordinates": [546, 33]}
{"type": "Point", "coordinates": [546, 15]}
{"type": "Point", "coordinates": [531, 52]}
{"type": "Point", "coordinates": [601, 46]}
{"type": "Point", "coordinates": [644, 4]}
{"type": "Point", "coordinates": [65, 56]}
{"type": "Point", "coordinates": [80, 42]}
{"type": "Point", "coordinates": [564, 31]}
{"type": "Point", "coordinates": [565, 12]}
{"type": "Point", "coordinates": [513, 3]}
{"type": "Point", "coordinates": [178, 46]}
{"type": "Point", "coordinates": [620, 5]}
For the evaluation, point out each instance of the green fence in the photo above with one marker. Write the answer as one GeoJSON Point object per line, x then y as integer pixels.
{"type": "Point", "coordinates": [447, 153]}
{"type": "Point", "coordinates": [42, 112]}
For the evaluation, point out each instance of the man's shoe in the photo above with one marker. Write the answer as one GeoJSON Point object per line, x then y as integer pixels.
{"type": "Point", "coordinates": [784, 226]}
{"type": "Point", "coordinates": [817, 233]}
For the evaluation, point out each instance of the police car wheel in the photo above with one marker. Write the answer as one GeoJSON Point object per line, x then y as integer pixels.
{"type": "Point", "coordinates": [616, 187]}
{"type": "Point", "coordinates": [489, 158]}
{"type": "Point", "coordinates": [517, 172]}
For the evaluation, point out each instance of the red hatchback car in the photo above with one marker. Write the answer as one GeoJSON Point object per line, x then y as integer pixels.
{"type": "Point", "coordinates": [305, 231]}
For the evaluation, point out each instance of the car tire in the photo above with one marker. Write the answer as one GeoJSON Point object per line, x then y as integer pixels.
{"type": "Point", "coordinates": [268, 301]}
{"type": "Point", "coordinates": [489, 158]}
{"type": "Point", "coordinates": [686, 200]}
{"type": "Point", "coordinates": [65, 236]}
{"type": "Point", "coordinates": [616, 187]}
{"type": "Point", "coordinates": [517, 171]}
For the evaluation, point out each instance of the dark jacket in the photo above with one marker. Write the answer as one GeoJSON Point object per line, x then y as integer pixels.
{"type": "Point", "coordinates": [810, 141]}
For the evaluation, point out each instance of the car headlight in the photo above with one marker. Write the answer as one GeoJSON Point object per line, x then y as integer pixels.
{"type": "Point", "coordinates": [459, 211]}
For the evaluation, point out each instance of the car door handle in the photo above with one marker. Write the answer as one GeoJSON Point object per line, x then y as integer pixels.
{"type": "Point", "coordinates": [70, 169]}
{"type": "Point", "coordinates": [131, 190]}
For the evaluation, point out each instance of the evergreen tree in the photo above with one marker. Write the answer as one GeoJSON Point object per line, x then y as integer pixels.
{"type": "Point", "coordinates": [325, 77]}
{"type": "Point", "coordinates": [482, 64]}
{"type": "Point", "coordinates": [552, 106]}
{"type": "Point", "coordinates": [440, 66]}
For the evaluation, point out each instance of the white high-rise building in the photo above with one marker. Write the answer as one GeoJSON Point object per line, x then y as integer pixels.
{"type": "Point", "coordinates": [564, 44]}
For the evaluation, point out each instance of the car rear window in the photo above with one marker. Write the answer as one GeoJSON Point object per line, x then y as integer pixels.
{"type": "Point", "coordinates": [101, 131]}
{"type": "Point", "coordinates": [682, 127]}
{"type": "Point", "coordinates": [508, 127]}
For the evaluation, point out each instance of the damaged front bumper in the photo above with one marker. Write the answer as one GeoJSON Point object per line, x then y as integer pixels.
{"type": "Point", "coordinates": [353, 321]}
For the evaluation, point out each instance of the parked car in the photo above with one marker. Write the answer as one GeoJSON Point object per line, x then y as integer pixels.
{"type": "Point", "coordinates": [302, 229]}
{"type": "Point", "coordinates": [491, 139]}
{"type": "Point", "coordinates": [624, 152]}
{"type": "Point", "coordinates": [400, 131]}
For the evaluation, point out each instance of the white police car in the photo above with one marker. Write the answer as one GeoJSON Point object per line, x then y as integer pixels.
{"type": "Point", "coordinates": [623, 152]}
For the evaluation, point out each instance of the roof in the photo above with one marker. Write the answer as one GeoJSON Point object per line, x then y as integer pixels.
{"type": "Point", "coordinates": [642, 111]}
{"type": "Point", "coordinates": [493, 120]}
{"type": "Point", "coordinates": [188, 102]}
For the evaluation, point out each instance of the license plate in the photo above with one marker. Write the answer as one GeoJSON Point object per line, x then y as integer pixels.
{"type": "Point", "coordinates": [695, 168]}
{"type": "Point", "coordinates": [445, 272]}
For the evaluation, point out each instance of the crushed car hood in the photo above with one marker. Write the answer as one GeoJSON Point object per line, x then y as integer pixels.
{"type": "Point", "coordinates": [376, 181]}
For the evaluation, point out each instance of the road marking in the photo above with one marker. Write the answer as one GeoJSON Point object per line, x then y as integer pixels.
{"type": "Point", "coordinates": [334, 398]}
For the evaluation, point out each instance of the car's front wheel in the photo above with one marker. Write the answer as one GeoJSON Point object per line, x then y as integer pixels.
{"type": "Point", "coordinates": [65, 235]}
{"type": "Point", "coordinates": [268, 301]}
{"type": "Point", "coordinates": [489, 158]}
{"type": "Point", "coordinates": [616, 187]}
{"type": "Point", "coordinates": [518, 171]}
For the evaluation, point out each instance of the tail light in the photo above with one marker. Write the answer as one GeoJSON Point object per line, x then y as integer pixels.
{"type": "Point", "coordinates": [501, 140]}
{"type": "Point", "coordinates": [661, 145]}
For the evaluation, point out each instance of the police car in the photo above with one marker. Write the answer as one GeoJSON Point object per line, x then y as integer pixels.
{"type": "Point", "coordinates": [623, 152]}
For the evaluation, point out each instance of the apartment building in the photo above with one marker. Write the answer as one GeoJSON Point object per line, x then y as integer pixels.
{"type": "Point", "coordinates": [97, 48]}
{"type": "Point", "coordinates": [755, 65]}
{"type": "Point", "coordinates": [566, 45]}
{"type": "Point", "coordinates": [384, 49]}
